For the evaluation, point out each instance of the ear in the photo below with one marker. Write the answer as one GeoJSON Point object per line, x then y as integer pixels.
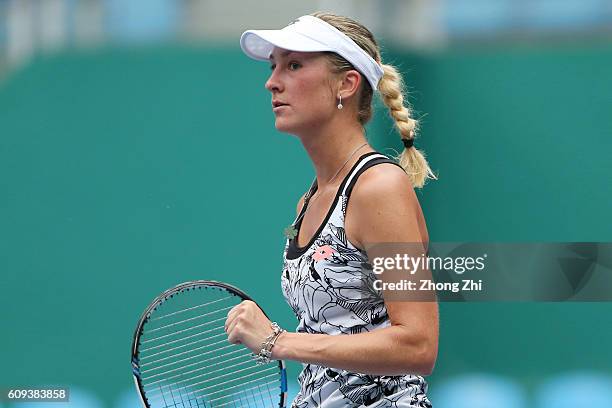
{"type": "Point", "coordinates": [350, 83]}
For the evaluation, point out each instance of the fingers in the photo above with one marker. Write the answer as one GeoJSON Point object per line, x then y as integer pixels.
{"type": "Point", "coordinates": [230, 323]}
{"type": "Point", "coordinates": [234, 333]}
{"type": "Point", "coordinates": [244, 324]}
{"type": "Point", "coordinates": [235, 316]}
{"type": "Point", "coordinates": [231, 315]}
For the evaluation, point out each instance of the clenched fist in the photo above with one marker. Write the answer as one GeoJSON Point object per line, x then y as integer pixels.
{"type": "Point", "coordinates": [246, 324]}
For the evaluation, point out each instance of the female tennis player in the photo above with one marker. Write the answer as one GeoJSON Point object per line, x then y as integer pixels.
{"type": "Point", "coordinates": [358, 348]}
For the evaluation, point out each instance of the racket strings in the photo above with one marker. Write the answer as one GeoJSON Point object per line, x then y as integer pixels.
{"type": "Point", "coordinates": [184, 330]}
{"type": "Point", "coordinates": [209, 380]}
{"type": "Point", "coordinates": [191, 365]}
{"type": "Point", "coordinates": [191, 343]}
{"type": "Point", "coordinates": [186, 359]}
{"type": "Point", "coordinates": [249, 399]}
{"type": "Point", "coordinates": [249, 360]}
{"type": "Point", "coordinates": [234, 395]}
{"type": "Point", "coordinates": [267, 390]}
{"type": "Point", "coordinates": [189, 319]}
{"type": "Point", "coordinates": [188, 362]}
{"type": "Point", "coordinates": [185, 352]}
{"type": "Point", "coordinates": [179, 402]}
{"type": "Point", "coordinates": [189, 309]}
{"type": "Point", "coordinates": [145, 350]}
{"type": "Point", "coordinates": [260, 394]}
{"type": "Point", "coordinates": [236, 383]}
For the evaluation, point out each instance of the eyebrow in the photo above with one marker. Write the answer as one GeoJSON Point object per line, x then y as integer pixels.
{"type": "Point", "coordinates": [283, 54]}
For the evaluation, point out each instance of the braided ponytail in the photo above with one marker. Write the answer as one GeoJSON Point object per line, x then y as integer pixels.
{"type": "Point", "coordinates": [411, 159]}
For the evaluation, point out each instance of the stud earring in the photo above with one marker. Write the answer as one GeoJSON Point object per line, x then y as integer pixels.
{"type": "Point", "coordinates": [340, 106]}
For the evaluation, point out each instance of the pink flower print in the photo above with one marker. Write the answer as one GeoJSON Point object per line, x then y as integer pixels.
{"type": "Point", "coordinates": [323, 252]}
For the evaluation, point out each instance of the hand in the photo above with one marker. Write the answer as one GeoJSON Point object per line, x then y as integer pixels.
{"type": "Point", "coordinates": [246, 324]}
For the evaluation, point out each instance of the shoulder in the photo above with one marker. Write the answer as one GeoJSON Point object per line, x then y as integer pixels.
{"type": "Point", "coordinates": [381, 184]}
{"type": "Point", "coordinates": [385, 204]}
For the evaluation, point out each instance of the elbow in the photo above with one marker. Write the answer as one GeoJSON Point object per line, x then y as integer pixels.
{"type": "Point", "coordinates": [423, 361]}
{"type": "Point", "coordinates": [420, 350]}
{"type": "Point", "coordinates": [427, 366]}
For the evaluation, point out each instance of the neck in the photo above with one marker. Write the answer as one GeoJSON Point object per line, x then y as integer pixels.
{"type": "Point", "coordinates": [329, 147]}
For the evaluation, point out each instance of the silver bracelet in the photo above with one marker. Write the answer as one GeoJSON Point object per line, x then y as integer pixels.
{"type": "Point", "coordinates": [265, 353]}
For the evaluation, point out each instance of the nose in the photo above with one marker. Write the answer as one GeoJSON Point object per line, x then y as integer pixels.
{"type": "Point", "coordinates": [274, 84]}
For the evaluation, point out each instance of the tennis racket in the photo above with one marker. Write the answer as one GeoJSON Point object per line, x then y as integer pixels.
{"type": "Point", "coordinates": [181, 356]}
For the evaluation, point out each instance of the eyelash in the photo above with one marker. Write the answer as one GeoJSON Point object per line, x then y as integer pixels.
{"type": "Point", "coordinates": [291, 63]}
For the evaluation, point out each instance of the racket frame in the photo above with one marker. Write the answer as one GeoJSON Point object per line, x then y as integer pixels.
{"type": "Point", "coordinates": [165, 296]}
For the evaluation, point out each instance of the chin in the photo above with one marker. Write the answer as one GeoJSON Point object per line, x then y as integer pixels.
{"type": "Point", "coordinates": [294, 128]}
{"type": "Point", "coordinates": [283, 126]}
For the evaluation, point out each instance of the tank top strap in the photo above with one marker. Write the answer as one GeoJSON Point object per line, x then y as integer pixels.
{"type": "Point", "coordinates": [365, 164]}
{"type": "Point", "coordinates": [357, 169]}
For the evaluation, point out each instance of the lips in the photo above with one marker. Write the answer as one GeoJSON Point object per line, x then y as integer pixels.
{"type": "Point", "coordinates": [276, 104]}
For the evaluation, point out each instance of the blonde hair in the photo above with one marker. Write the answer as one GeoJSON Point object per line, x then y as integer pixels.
{"type": "Point", "coordinates": [391, 90]}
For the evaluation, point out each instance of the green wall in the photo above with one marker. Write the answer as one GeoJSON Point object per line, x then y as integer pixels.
{"type": "Point", "coordinates": [124, 172]}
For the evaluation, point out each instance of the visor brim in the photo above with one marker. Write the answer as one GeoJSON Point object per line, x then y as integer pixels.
{"type": "Point", "coordinates": [259, 44]}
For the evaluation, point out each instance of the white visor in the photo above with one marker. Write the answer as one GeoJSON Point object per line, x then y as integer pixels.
{"type": "Point", "coordinates": [311, 34]}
